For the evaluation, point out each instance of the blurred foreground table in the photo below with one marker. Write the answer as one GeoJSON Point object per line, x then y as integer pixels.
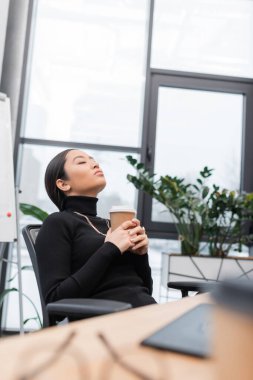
{"type": "Point", "coordinates": [76, 351]}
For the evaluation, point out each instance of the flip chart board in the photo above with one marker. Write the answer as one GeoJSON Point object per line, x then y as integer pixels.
{"type": "Point", "coordinates": [8, 230]}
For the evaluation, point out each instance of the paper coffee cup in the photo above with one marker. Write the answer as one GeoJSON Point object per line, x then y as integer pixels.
{"type": "Point", "coordinates": [120, 214]}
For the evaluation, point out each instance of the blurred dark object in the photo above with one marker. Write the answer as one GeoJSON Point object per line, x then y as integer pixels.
{"type": "Point", "coordinates": [233, 329]}
{"type": "Point", "coordinates": [236, 295]}
{"type": "Point", "coordinates": [191, 286]}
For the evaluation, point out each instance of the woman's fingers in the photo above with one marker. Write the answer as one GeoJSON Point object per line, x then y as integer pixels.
{"type": "Point", "coordinates": [143, 243]}
{"type": "Point", "coordinates": [131, 235]}
{"type": "Point", "coordinates": [121, 238]}
{"type": "Point", "coordinates": [136, 221]}
{"type": "Point", "coordinates": [128, 224]}
{"type": "Point", "coordinates": [138, 238]}
{"type": "Point", "coordinates": [133, 226]}
{"type": "Point", "coordinates": [137, 231]}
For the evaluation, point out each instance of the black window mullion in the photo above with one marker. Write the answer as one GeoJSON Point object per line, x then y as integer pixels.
{"type": "Point", "coordinates": [79, 145]}
{"type": "Point", "coordinates": [247, 141]}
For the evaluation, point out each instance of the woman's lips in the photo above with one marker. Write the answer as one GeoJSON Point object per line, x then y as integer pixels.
{"type": "Point", "coordinates": [99, 172]}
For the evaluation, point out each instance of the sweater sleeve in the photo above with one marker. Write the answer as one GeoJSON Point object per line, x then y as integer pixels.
{"type": "Point", "coordinates": [54, 247]}
{"type": "Point", "coordinates": [144, 271]}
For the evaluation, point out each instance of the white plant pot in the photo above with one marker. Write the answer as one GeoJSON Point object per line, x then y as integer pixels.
{"type": "Point", "coordinates": [176, 267]}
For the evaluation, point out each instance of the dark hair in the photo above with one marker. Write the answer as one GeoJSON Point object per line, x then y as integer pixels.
{"type": "Point", "coordinates": [55, 170]}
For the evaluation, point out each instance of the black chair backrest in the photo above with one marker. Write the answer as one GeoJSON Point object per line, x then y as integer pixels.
{"type": "Point", "coordinates": [30, 233]}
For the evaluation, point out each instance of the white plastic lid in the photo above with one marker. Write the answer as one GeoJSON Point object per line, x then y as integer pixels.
{"type": "Point", "coordinates": [122, 208]}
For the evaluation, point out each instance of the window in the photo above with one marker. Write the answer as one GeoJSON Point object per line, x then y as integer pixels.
{"type": "Point", "coordinates": [204, 36]}
{"type": "Point", "coordinates": [194, 129]}
{"type": "Point", "coordinates": [88, 72]}
{"type": "Point", "coordinates": [196, 121]}
{"type": "Point", "coordinates": [199, 98]}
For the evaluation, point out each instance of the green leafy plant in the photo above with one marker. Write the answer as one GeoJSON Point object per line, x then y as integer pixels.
{"type": "Point", "coordinates": [34, 211]}
{"type": "Point", "coordinates": [200, 212]}
{"type": "Point", "coordinates": [11, 290]}
{"type": "Point", "coordinates": [185, 202]}
{"type": "Point", "coordinates": [38, 213]}
{"type": "Point", "coordinates": [7, 291]}
{"type": "Point", "coordinates": [227, 221]}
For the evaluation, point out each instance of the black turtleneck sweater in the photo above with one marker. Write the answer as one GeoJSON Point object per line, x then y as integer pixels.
{"type": "Point", "coordinates": [75, 262]}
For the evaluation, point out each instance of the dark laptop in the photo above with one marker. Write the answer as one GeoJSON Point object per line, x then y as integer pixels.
{"type": "Point", "coordinates": [189, 334]}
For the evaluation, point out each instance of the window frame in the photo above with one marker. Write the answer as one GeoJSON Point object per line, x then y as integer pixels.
{"type": "Point", "coordinates": [194, 81]}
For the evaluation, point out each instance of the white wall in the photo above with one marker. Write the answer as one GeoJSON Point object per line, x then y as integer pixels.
{"type": "Point", "coordinates": [4, 7]}
{"type": "Point", "coordinates": [7, 200]}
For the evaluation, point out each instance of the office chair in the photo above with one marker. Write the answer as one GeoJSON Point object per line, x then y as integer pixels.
{"type": "Point", "coordinates": [191, 286]}
{"type": "Point", "coordinates": [76, 308]}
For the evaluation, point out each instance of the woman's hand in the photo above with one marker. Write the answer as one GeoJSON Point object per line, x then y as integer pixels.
{"type": "Point", "coordinates": [121, 236]}
{"type": "Point", "coordinates": [139, 238]}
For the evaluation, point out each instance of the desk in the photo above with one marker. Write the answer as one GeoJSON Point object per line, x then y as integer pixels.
{"type": "Point", "coordinates": [87, 353]}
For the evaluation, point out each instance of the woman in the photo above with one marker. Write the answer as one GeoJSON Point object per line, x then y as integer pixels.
{"type": "Point", "coordinates": [78, 254]}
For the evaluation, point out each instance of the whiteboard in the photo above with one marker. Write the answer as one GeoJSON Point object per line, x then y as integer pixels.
{"type": "Point", "coordinates": [8, 230]}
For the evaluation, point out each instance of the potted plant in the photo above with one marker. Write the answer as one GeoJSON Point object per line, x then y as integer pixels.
{"type": "Point", "coordinates": [227, 221]}
{"type": "Point", "coordinates": [200, 212]}
{"type": "Point", "coordinates": [186, 202]}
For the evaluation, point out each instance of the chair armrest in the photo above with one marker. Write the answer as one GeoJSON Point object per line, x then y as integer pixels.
{"type": "Point", "coordinates": [191, 286]}
{"type": "Point", "coordinates": [85, 307]}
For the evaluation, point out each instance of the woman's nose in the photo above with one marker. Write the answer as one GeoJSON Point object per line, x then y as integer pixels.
{"type": "Point", "coordinates": [94, 164]}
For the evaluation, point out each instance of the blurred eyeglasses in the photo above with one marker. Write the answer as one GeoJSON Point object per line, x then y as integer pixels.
{"type": "Point", "coordinates": [44, 361]}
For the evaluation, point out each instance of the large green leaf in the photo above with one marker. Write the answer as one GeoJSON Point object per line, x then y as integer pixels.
{"type": "Point", "coordinates": [34, 211]}
{"type": "Point", "coordinates": [5, 293]}
{"type": "Point", "coordinates": [10, 290]}
{"type": "Point", "coordinates": [31, 319]}
{"type": "Point", "coordinates": [35, 308]}
{"type": "Point", "coordinates": [24, 267]}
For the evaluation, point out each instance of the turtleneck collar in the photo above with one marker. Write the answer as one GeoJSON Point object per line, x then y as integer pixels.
{"type": "Point", "coordinates": [80, 203]}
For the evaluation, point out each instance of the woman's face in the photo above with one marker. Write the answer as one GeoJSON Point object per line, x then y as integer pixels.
{"type": "Point", "coordinates": [84, 176]}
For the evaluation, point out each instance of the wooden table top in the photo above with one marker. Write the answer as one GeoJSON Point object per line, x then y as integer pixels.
{"type": "Point", "coordinates": [83, 355]}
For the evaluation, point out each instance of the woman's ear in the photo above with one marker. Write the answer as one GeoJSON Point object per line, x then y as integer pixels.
{"type": "Point", "coordinates": [62, 185]}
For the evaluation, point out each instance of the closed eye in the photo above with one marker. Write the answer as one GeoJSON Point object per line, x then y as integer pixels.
{"type": "Point", "coordinates": [81, 162]}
